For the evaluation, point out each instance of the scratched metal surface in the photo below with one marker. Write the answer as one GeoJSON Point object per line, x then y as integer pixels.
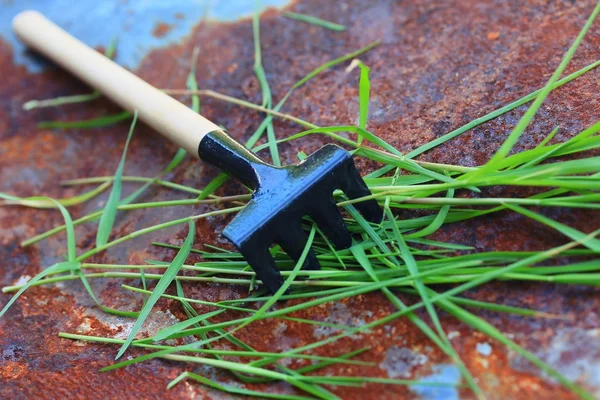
{"type": "Point", "coordinates": [439, 66]}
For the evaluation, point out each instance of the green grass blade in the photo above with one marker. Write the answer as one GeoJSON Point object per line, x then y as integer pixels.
{"type": "Point", "coordinates": [233, 389]}
{"type": "Point", "coordinates": [175, 161]}
{"type": "Point", "coordinates": [442, 339]}
{"type": "Point", "coordinates": [548, 138]}
{"type": "Point", "coordinates": [109, 214]}
{"type": "Point", "coordinates": [60, 267]}
{"type": "Point", "coordinates": [523, 123]}
{"type": "Point", "coordinates": [328, 131]}
{"type": "Point", "coordinates": [88, 288]}
{"type": "Point", "coordinates": [309, 19]}
{"type": "Point", "coordinates": [436, 223]}
{"type": "Point", "coordinates": [364, 92]}
{"type": "Point", "coordinates": [45, 202]}
{"type": "Point", "coordinates": [162, 285]}
{"type": "Point", "coordinates": [496, 113]}
{"type": "Point", "coordinates": [257, 135]}
{"type": "Point", "coordinates": [335, 62]}
{"type": "Point", "coordinates": [80, 98]}
{"type": "Point", "coordinates": [182, 325]}
{"type": "Point", "coordinates": [527, 312]}
{"type": "Point", "coordinates": [592, 244]}
{"type": "Point", "coordinates": [247, 369]}
{"type": "Point", "coordinates": [267, 100]}
{"type": "Point", "coordinates": [213, 185]}
{"type": "Point", "coordinates": [258, 68]}
{"type": "Point", "coordinates": [485, 327]}
{"type": "Point", "coordinates": [61, 101]}
{"type": "Point", "coordinates": [99, 122]}
{"type": "Point", "coordinates": [191, 83]}
{"type": "Point", "coordinates": [71, 243]}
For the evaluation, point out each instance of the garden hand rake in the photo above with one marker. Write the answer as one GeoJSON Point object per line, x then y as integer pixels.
{"type": "Point", "coordinates": [282, 195]}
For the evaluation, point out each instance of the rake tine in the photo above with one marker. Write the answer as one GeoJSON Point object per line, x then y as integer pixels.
{"type": "Point", "coordinates": [293, 240]}
{"type": "Point", "coordinates": [261, 261]}
{"type": "Point", "coordinates": [329, 219]}
{"type": "Point", "coordinates": [354, 187]}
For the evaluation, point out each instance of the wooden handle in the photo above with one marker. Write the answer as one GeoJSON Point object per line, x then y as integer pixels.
{"type": "Point", "coordinates": [159, 110]}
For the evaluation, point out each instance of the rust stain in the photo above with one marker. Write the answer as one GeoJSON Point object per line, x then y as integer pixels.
{"type": "Point", "coordinates": [161, 29]}
{"type": "Point", "coordinates": [493, 35]}
{"type": "Point", "coordinates": [436, 69]}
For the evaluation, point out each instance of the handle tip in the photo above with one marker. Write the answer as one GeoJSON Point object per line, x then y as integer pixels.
{"type": "Point", "coordinates": [25, 20]}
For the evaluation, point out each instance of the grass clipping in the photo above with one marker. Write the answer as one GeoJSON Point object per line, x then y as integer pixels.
{"type": "Point", "coordinates": [393, 257]}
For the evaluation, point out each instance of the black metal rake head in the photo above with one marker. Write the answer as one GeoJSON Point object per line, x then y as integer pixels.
{"type": "Point", "coordinates": [283, 196]}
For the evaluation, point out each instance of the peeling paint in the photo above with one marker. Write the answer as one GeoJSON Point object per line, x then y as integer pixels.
{"type": "Point", "coordinates": [485, 349]}
{"type": "Point", "coordinates": [574, 352]}
{"type": "Point", "coordinates": [342, 315]}
{"type": "Point", "coordinates": [442, 373]}
{"type": "Point", "coordinates": [133, 22]}
{"type": "Point", "coordinates": [400, 361]}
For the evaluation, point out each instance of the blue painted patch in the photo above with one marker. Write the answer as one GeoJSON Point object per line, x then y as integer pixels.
{"type": "Point", "coordinates": [443, 373]}
{"type": "Point", "coordinates": [97, 22]}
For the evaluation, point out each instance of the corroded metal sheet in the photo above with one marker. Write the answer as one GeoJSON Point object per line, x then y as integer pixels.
{"type": "Point", "coordinates": [440, 64]}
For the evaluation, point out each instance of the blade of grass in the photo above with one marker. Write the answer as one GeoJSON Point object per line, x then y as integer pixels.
{"type": "Point", "coordinates": [309, 19]}
{"type": "Point", "coordinates": [491, 331]}
{"type": "Point", "coordinates": [228, 365]}
{"type": "Point", "coordinates": [109, 214]}
{"type": "Point", "coordinates": [437, 222]}
{"type": "Point", "coordinates": [191, 83]}
{"type": "Point", "coordinates": [523, 123]}
{"type": "Point", "coordinates": [592, 244]}
{"type": "Point", "coordinates": [496, 113]}
{"type": "Point", "coordinates": [259, 70]}
{"type": "Point", "coordinates": [65, 266]}
{"type": "Point", "coordinates": [234, 366]}
{"type": "Point", "coordinates": [175, 161]}
{"type": "Point", "coordinates": [80, 98]}
{"type": "Point", "coordinates": [161, 286]}
{"type": "Point", "coordinates": [72, 258]}
{"type": "Point", "coordinates": [527, 312]}
{"type": "Point", "coordinates": [364, 92]}
{"type": "Point", "coordinates": [61, 101]}
{"type": "Point", "coordinates": [70, 265]}
{"type": "Point", "coordinates": [99, 122]}
{"type": "Point", "coordinates": [441, 339]}
{"type": "Point", "coordinates": [232, 389]}
{"type": "Point", "coordinates": [223, 352]}
{"type": "Point", "coordinates": [44, 202]}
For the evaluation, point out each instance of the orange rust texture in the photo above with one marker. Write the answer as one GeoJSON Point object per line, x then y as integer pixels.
{"type": "Point", "coordinates": [440, 64]}
{"type": "Point", "coordinates": [161, 29]}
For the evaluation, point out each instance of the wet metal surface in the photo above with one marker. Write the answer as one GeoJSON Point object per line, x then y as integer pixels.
{"type": "Point", "coordinates": [440, 64]}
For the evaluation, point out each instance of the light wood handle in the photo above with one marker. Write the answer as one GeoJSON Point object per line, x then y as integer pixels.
{"type": "Point", "coordinates": [159, 110]}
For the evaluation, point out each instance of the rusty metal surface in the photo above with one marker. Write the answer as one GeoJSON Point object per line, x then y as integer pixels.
{"type": "Point", "coordinates": [441, 64]}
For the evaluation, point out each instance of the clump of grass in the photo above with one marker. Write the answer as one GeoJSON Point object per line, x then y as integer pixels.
{"type": "Point", "coordinates": [394, 256]}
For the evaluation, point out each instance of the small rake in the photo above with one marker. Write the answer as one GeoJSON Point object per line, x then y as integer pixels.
{"type": "Point", "coordinates": [282, 195]}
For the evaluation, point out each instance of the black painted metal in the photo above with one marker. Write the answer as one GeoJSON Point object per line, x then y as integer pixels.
{"type": "Point", "coordinates": [282, 196]}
